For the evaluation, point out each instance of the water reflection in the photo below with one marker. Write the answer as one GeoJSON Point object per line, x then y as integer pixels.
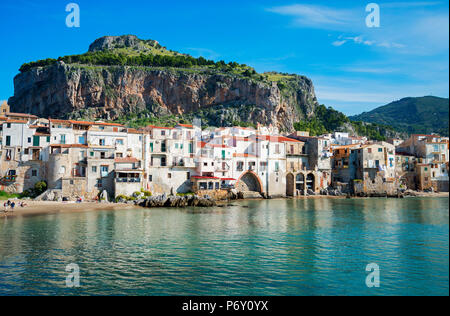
{"type": "Point", "coordinates": [273, 247]}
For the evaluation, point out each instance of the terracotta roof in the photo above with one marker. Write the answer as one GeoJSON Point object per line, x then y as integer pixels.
{"type": "Point", "coordinates": [241, 139]}
{"type": "Point", "coordinates": [185, 125]}
{"type": "Point", "coordinates": [238, 155]}
{"type": "Point", "coordinates": [59, 121]}
{"type": "Point", "coordinates": [81, 122]}
{"type": "Point", "coordinates": [126, 160]}
{"type": "Point", "coordinates": [108, 124]}
{"type": "Point", "coordinates": [41, 134]}
{"type": "Point", "coordinates": [278, 139]}
{"type": "Point", "coordinates": [16, 121]}
{"type": "Point", "coordinates": [21, 115]}
{"type": "Point", "coordinates": [204, 144]}
{"type": "Point", "coordinates": [134, 131]}
{"type": "Point", "coordinates": [228, 179]}
{"type": "Point", "coordinates": [201, 177]}
{"type": "Point", "coordinates": [84, 122]}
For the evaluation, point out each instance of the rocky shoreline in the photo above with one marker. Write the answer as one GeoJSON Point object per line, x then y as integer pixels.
{"type": "Point", "coordinates": [176, 201]}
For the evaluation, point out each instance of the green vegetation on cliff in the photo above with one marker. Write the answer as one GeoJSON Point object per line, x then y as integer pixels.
{"type": "Point", "coordinates": [328, 120]}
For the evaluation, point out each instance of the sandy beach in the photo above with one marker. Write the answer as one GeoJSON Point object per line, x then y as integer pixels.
{"type": "Point", "coordinates": [34, 208]}
{"type": "Point", "coordinates": [40, 208]}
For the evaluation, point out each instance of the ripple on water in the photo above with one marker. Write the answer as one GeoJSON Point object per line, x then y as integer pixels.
{"type": "Point", "coordinates": [277, 247]}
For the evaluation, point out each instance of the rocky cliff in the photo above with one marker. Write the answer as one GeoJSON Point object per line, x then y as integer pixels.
{"type": "Point", "coordinates": [91, 91]}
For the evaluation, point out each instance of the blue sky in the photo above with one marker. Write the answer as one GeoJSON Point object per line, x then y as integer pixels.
{"type": "Point", "coordinates": [354, 68]}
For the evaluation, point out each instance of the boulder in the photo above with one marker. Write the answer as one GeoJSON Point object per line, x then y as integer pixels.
{"type": "Point", "coordinates": [104, 197]}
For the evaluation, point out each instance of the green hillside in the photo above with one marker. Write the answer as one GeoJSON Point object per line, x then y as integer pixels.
{"type": "Point", "coordinates": [412, 115]}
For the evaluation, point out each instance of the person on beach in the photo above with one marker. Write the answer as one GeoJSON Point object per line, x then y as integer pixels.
{"type": "Point", "coordinates": [13, 204]}
{"type": "Point", "coordinates": [5, 205]}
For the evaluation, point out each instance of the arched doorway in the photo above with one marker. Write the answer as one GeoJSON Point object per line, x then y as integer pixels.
{"type": "Point", "coordinates": [249, 182]}
{"type": "Point", "coordinates": [290, 185]}
{"type": "Point", "coordinates": [300, 182]}
{"type": "Point", "coordinates": [311, 182]}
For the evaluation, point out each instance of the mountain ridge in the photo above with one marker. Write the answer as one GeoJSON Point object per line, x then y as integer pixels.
{"type": "Point", "coordinates": [413, 115]}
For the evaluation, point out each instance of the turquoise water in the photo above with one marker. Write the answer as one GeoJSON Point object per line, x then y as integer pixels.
{"type": "Point", "coordinates": [275, 247]}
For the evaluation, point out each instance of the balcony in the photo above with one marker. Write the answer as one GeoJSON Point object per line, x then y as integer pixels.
{"type": "Point", "coordinates": [128, 180]}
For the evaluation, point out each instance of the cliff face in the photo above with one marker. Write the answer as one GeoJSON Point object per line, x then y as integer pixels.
{"type": "Point", "coordinates": [108, 92]}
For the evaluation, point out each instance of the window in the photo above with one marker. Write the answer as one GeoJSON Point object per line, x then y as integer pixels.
{"type": "Point", "coordinates": [91, 154]}
{"type": "Point", "coordinates": [150, 178]}
{"type": "Point", "coordinates": [240, 166]}
{"type": "Point", "coordinates": [119, 141]}
{"type": "Point", "coordinates": [176, 146]}
{"type": "Point", "coordinates": [380, 150]}
{"type": "Point", "coordinates": [277, 166]}
{"type": "Point", "coordinates": [63, 139]}
{"type": "Point", "coordinates": [62, 170]}
{"type": "Point", "coordinates": [99, 183]}
{"type": "Point", "coordinates": [29, 140]}
{"type": "Point", "coordinates": [102, 142]}
{"type": "Point", "coordinates": [205, 164]}
{"type": "Point", "coordinates": [369, 150]}
{"type": "Point", "coordinates": [104, 171]}
{"type": "Point", "coordinates": [169, 175]}
{"type": "Point", "coordinates": [163, 162]}
{"type": "Point", "coordinates": [188, 175]}
{"type": "Point", "coordinates": [48, 139]}
{"type": "Point", "coordinates": [71, 182]}
{"type": "Point", "coordinates": [8, 140]}
{"type": "Point", "coordinates": [81, 140]}
{"type": "Point", "coordinates": [94, 169]}
{"type": "Point", "coordinates": [163, 133]}
{"type": "Point", "coordinates": [151, 147]}
{"type": "Point", "coordinates": [27, 152]}
{"type": "Point", "coordinates": [34, 173]}
{"type": "Point", "coordinates": [8, 125]}
{"type": "Point", "coordinates": [119, 155]}
{"type": "Point", "coordinates": [277, 148]}
{"type": "Point", "coordinates": [163, 147]}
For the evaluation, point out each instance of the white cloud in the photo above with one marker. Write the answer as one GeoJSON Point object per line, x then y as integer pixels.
{"type": "Point", "coordinates": [409, 4]}
{"type": "Point", "coordinates": [355, 39]}
{"type": "Point", "coordinates": [417, 28]}
{"type": "Point", "coordinates": [339, 43]}
{"type": "Point", "coordinates": [316, 16]}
